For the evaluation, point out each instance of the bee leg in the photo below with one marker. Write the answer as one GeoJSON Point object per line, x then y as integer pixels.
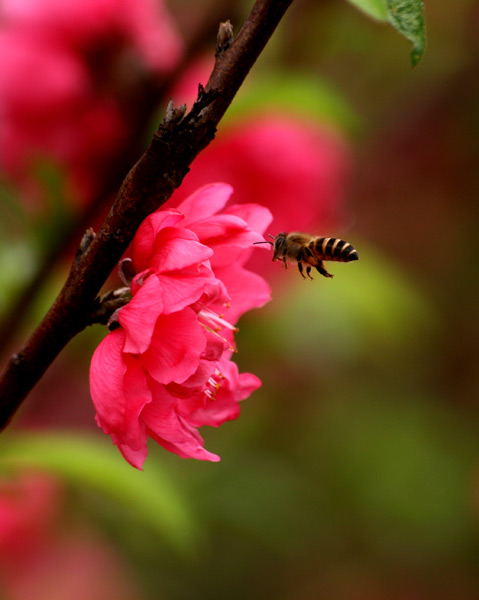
{"type": "Point", "coordinates": [322, 270]}
{"type": "Point", "coordinates": [303, 255]}
{"type": "Point", "coordinates": [285, 262]}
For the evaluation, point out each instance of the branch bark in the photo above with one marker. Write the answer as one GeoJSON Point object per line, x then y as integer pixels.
{"type": "Point", "coordinates": [148, 185]}
{"type": "Point", "coordinates": [140, 104]}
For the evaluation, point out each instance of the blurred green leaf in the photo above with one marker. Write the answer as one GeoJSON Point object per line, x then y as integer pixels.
{"type": "Point", "coordinates": [407, 17]}
{"type": "Point", "coordinates": [258, 493]}
{"type": "Point", "coordinates": [18, 262]}
{"type": "Point", "coordinates": [13, 216]}
{"type": "Point", "coordinates": [401, 467]}
{"type": "Point", "coordinates": [374, 8]}
{"type": "Point", "coordinates": [86, 462]}
{"type": "Point", "coordinates": [368, 308]}
{"type": "Point", "coordinates": [298, 94]}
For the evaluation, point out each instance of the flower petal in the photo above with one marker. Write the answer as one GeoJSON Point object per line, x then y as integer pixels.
{"type": "Point", "coordinates": [246, 289]}
{"type": "Point", "coordinates": [256, 216]}
{"type": "Point", "coordinates": [137, 396]}
{"type": "Point", "coordinates": [206, 201]}
{"type": "Point", "coordinates": [107, 371]}
{"type": "Point", "coordinates": [136, 458]}
{"type": "Point", "coordinates": [145, 237]}
{"type": "Point", "coordinates": [176, 347]}
{"type": "Point", "coordinates": [119, 391]}
{"type": "Point", "coordinates": [176, 249]}
{"type": "Point", "coordinates": [225, 229]}
{"type": "Point", "coordinates": [189, 447]}
{"type": "Point", "coordinates": [170, 430]}
{"type": "Point", "coordinates": [234, 388]}
{"type": "Point", "coordinates": [139, 316]}
{"type": "Point", "coordinates": [182, 289]}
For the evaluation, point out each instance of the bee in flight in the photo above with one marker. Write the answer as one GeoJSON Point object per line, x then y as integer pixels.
{"type": "Point", "coordinates": [310, 250]}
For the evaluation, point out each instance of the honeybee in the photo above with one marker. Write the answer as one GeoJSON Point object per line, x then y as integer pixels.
{"type": "Point", "coordinates": [310, 250]}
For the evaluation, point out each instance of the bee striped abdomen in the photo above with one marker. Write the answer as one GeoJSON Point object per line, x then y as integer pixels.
{"type": "Point", "coordinates": [333, 249]}
{"type": "Point", "coordinates": [310, 251]}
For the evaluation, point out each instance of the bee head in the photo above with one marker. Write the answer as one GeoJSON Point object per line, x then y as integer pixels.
{"type": "Point", "coordinates": [278, 244]}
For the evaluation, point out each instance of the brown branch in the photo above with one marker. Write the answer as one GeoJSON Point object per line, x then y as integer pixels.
{"type": "Point", "coordinates": [145, 98]}
{"type": "Point", "coordinates": [148, 185]}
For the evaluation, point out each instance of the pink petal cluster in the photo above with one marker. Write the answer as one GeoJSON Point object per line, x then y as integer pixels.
{"type": "Point", "coordinates": [167, 370]}
{"type": "Point", "coordinates": [63, 65]}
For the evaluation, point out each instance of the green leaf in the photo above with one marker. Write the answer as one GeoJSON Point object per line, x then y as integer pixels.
{"type": "Point", "coordinates": [151, 496]}
{"type": "Point", "coordinates": [294, 93]}
{"type": "Point", "coordinates": [370, 307]}
{"type": "Point", "coordinates": [18, 263]}
{"type": "Point", "coordinates": [403, 463]}
{"type": "Point", "coordinates": [407, 17]}
{"type": "Point", "coordinates": [376, 9]}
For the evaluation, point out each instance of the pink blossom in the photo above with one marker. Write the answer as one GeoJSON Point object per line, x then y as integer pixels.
{"type": "Point", "coordinates": [41, 558]}
{"type": "Point", "coordinates": [78, 57]}
{"type": "Point", "coordinates": [52, 112]}
{"type": "Point", "coordinates": [142, 25]}
{"type": "Point", "coordinates": [296, 168]}
{"type": "Point", "coordinates": [166, 369]}
{"type": "Point", "coordinates": [27, 507]}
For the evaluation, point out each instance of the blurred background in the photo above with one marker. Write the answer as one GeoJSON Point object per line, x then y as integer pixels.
{"type": "Point", "coordinates": [353, 472]}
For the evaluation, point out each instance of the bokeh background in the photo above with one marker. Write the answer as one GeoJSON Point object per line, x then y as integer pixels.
{"type": "Point", "coordinates": [353, 472]}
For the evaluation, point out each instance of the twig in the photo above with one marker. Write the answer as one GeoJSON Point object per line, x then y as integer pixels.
{"type": "Point", "coordinates": [144, 98]}
{"type": "Point", "coordinates": [149, 184]}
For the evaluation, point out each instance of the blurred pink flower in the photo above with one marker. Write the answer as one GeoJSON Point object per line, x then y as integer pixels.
{"type": "Point", "coordinates": [41, 559]}
{"type": "Point", "coordinates": [62, 68]}
{"type": "Point", "coordinates": [166, 370]}
{"type": "Point", "coordinates": [296, 168]}
{"type": "Point", "coordinates": [294, 165]}
{"type": "Point", "coordinates": [142, 25]}
{"type": "Point", "coordinates": [27, 508]}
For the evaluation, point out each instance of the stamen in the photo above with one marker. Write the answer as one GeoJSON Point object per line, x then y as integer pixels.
{"type": "Point", "coordinates": [215, 332]}
{"type": "Point", "coordinates": [210, 394]}
{"type": "Point", "coordinates": [216, 384]}
{"type": "Point", "coordinates": [216, 320]}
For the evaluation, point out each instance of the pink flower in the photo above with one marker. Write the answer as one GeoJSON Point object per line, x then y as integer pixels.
{"type": "Point", "coordinates": [284, 161]}
{"type": "Point", "coordinates": [28, 505]}
{"type": "Point", "coordinates": [80, 58]}
{"type": "Point", "coordinates": [298, 167]}
{"type": "Point", "coordinates": [166, 369]}
{"type": "Point", "coordinates": [143, 25]}
{"type": "Point", "coordinates": [41, 558]}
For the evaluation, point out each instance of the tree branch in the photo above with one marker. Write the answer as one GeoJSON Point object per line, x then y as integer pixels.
{"type": "Point", "coordinates": [139, 103]}
{"type": "Point", "coordinates": [148, 185]}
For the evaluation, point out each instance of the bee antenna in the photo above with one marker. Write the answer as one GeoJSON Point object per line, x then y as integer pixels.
{"type": "Point", "coordinates": [273, 237]}
{"type": "Point", "coordinates": [265, 242]}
